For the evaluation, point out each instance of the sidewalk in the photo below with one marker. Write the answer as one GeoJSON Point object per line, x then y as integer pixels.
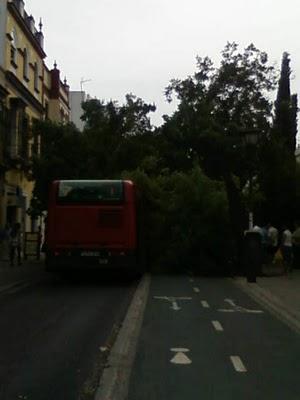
{"type": "Point", "coordinates": [277, 292]}
{"type": "Point", "coordinates": [30, 269]}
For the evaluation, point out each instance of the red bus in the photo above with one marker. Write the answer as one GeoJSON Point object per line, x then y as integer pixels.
{"type": "Point", "coordinates": [91, 223]}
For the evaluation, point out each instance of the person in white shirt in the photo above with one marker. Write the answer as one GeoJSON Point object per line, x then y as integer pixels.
{"type": "Point", "coordinates": [296, 245]}
{"type": "Point", "coordinates": [257, 229]}
{"type": "Point", "coordinates": [272, 240]}
{"type": "Point", "coordinates": [287, 249]}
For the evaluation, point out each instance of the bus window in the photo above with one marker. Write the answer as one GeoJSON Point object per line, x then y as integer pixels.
{"type": "Point", "coordinates": [83, 192]}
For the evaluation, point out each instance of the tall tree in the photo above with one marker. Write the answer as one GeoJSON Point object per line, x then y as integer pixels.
{"type": "Point", "coordinates": [63, 155]}
{"type": "Point", "coordinates": [294, 115]}
{"type": "Point", "coordinates": [118, 136]}
{"type": "Point", "coordinates": [278, 165]}
{"type": "Point", "coordinates": [285, 121]}
{"type": "Point", "coordinates": [216, 105]}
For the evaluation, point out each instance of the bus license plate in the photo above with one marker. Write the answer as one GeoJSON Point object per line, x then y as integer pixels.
{"type": "Point", "coordinates": [90, 254]}
{"type": "Point", "coordinates": [103, 261]}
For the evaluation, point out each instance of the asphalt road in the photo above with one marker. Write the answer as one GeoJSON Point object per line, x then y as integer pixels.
{"type": "Point", "coordinates": [217, 343]}
{"type": "Point", "coordinates": [51, 334]}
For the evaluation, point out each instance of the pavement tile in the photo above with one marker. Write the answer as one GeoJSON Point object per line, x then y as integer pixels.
{"type": "Point", "coordinates": [277, 291]}
{"type": "Point", "coordinates": [285, 287]}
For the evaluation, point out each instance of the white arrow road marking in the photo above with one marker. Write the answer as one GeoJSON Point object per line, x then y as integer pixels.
{"type": "Point", "coordinates": [238, 364]}
{"type": "Point", "coordinates": [236, 308]}
{"type": "Point", "coordinates": [218, 327]}
{"type": "Point", "coordinates": [196, 290]}
{"type": "Point", "coordinates": [173, 301]}
{"type": "Point", "coordinates": [231, 302]}
{"type": "Point", "coordinates": [205, 304]}
{"type": "Point", "coordinates": [175, 306]}
{"type": "Point", "coordinates": [180, 357]}
{"type": "Point", "coordinates": [180, 349]}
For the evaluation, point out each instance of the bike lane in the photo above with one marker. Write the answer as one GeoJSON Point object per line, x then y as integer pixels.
{"type": "Point", "coordinates": [205, 338]}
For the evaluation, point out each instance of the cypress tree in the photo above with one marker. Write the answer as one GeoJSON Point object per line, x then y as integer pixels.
{"type": "Point", "coordinates": [278, 176]}
{"type": "Point", "coordinates": [294, 112]}
{"type": "Point", "coordinates": [285, 122]}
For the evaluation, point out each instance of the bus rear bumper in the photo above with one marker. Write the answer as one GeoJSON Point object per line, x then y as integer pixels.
{"type": "Point", "coordinates": [59, 262]}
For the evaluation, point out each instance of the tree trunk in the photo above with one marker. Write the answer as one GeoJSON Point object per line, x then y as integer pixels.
{"type": "Point", "coordinates": [237, 217]}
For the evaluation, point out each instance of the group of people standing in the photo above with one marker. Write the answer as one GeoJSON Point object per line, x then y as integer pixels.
{"type": "Point", "coordinates": [287, 242]}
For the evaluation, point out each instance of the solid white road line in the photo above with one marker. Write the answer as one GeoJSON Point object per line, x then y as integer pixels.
{"type": "Point", "coordinates": [196, 290]}
{"type": "Point", "coordinates": [205, 304]}
{"type": "Point", "coordinates": [114, 383]}
{"type": "Point", "coordinates": [238, 364]}
{"type": "Point", "coordinates": [218, 327]}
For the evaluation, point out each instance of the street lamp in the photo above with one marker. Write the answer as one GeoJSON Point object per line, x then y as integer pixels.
{"type": "Point", "coordinates": [252, 244]}
{"type": "Point", "coordinates": [250, 138]}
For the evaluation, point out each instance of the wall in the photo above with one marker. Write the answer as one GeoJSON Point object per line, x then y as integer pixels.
{"type": "Point", "coordinates": [76, 98]}
{"type": "Point", "coordinates": [2, 31]}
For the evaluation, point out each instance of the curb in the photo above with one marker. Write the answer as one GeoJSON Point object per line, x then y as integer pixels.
{"type": "Point", "coordinates": [271, 303]}
{"type": "Point", "coordinates": [114, 383]}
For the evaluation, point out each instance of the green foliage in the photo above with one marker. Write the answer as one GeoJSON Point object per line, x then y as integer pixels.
{"type": "Point", "coordinates": [117, 137]}
{"type": "Point", "coordinates": [297, 201]}
{"type": "Point", "coordinates": [63, 156]}
{"type": "Point", "coordinates": [277, 180]}
{"type": "Point", "coordinates": [277, 175]}
{"type": "Point", "coordinates": [183, 220]}
{"type": "Point", "coordinates": [217, 105]}
{"type": "Point", "coordinates": [285, 122]}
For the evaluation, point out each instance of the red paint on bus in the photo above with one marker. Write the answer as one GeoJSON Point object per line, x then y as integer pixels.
{"type": "Point", "coordinates": [93, 233]}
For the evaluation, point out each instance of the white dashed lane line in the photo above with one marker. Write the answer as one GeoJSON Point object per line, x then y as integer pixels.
{"type": "Point", "coordinates": [205, 304]}
{"type": "Point", "coordinates": [196, 290]}
{"type": "Point", "coordinates": [218, 327]}
{"type": "Point", "coordinates": [238, 364]}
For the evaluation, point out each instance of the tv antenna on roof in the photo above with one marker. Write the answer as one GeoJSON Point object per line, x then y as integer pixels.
{"type": "Point", "coordinates": [82, 81]}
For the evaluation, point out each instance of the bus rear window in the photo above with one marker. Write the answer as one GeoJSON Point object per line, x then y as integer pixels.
{"type": "Point", "coordinates": [87, 192]}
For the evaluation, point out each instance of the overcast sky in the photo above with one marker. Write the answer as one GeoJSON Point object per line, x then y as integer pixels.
{"type": "Point", "coordinates": [139, 45]}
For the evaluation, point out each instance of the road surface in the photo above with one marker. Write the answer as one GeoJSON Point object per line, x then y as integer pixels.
{"type": "Point", "coordinates": [55, 335]}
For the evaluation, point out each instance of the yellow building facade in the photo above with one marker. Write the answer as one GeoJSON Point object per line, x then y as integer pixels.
{"type": "Point", "coordinates": [28, 91]}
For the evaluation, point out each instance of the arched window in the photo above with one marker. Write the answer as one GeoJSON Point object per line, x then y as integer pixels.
{"type": "Point", "coordinates": [36, 76]}
{"type": "Point", "coordinates": [13, 47]}
{"type": "Point", "coordinates": [26, 64]}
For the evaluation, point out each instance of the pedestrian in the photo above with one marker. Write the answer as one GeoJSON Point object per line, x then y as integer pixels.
{"type": "Point", "coordinates": [296, 245]}
{"type": "Point", "coordinates": [272, 241]}
{"type": "Point", "coordinates": [287, 249]}
{"type": "Point", "coordinates": [258, 229]}
{"type": "Point", "coordinates": [264, 242]}
{"type": "Point", "coordinates": [15, 244]}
